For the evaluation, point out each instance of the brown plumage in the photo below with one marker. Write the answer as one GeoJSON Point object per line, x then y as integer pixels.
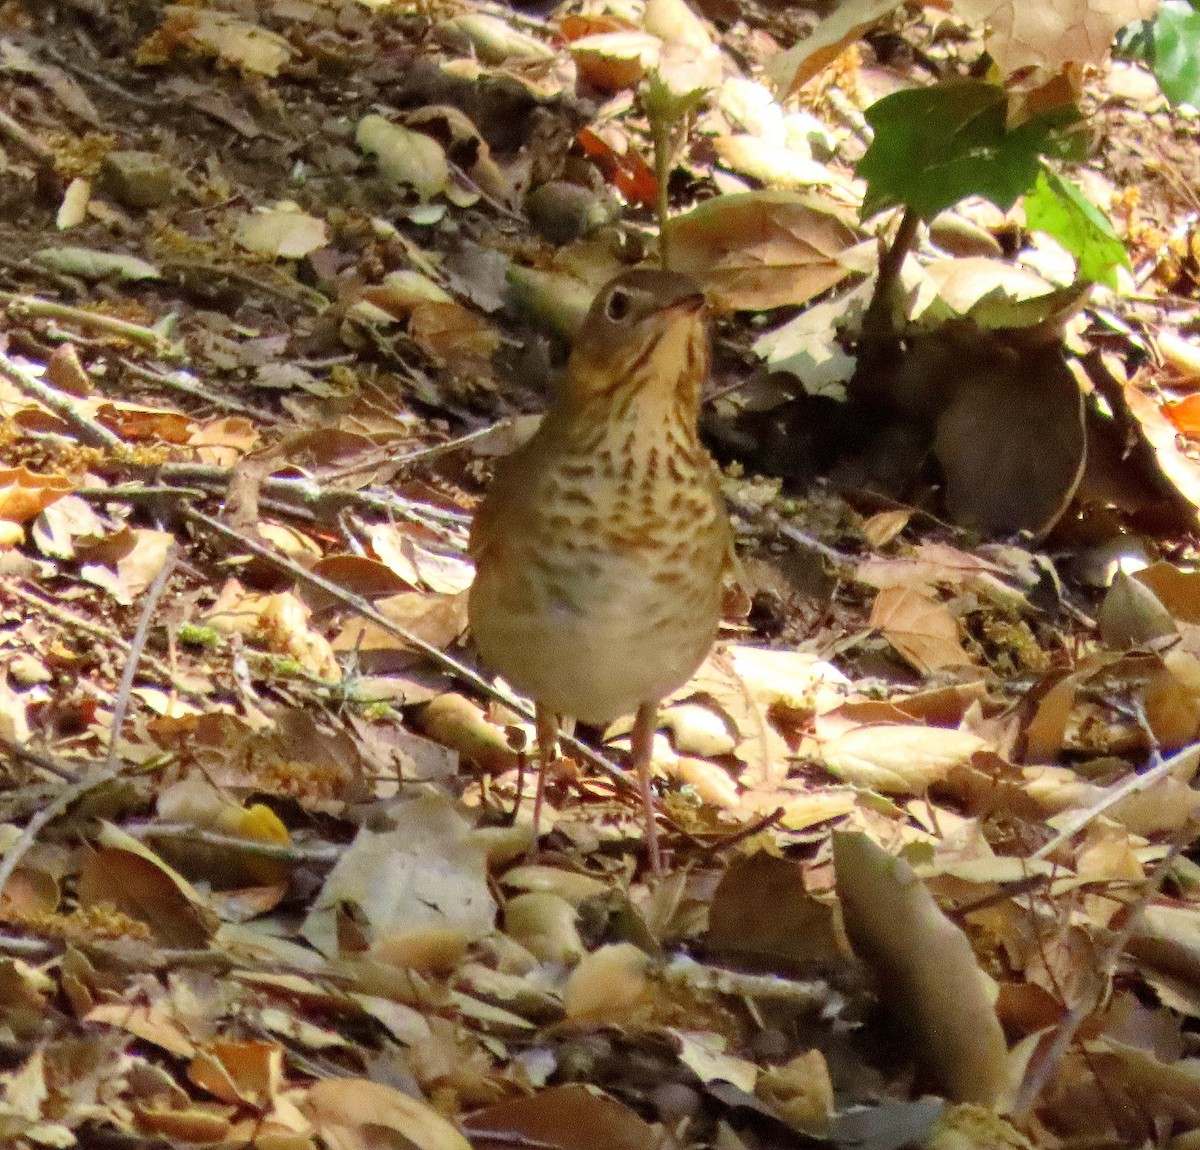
{"type": "Point", "coordinates": [602, 545]}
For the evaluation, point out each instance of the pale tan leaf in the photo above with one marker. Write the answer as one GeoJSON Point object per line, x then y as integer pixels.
{"type": "Point", "coordinates": [922, 630]}
{"type": "Point", "coordinates": [789, 70]}
{"type": "Point", "coordinates": [283, 230]}
{"type": "Point", "coordinates": [757, 250]}
{"type": "Point", "coordinates": [1054, 33]}
{"type": "Point", "coordinates": [353, 1114]}
{"type": "Point", "coordinates": [898, 759]}
{"type": "Point", "coordinates": [926, 969]}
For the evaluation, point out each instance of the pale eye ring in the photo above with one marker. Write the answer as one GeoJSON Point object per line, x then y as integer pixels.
{"type": "Point", "coordinates": [618, 306]}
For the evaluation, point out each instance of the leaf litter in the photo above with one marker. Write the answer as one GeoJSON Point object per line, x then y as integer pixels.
{"type": "Point", "coordinates": [266, 830]}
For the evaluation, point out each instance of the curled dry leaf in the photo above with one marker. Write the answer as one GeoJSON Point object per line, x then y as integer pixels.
{"type": "Point", "coordinates": [24, 493]}
{"type": "Point", "coordinates": [771, 163]}
{"type": "Point", "coordinates": [569, 885]}
{"type": "Point", "coordinates": [283, 230]}
{"type": "Point", "coordinates": [897, 759]}
{"type": "Point", "coordinates": [710, 781]}
{"type": "Point", "coordinates": [353, 1114]}
{"type": "Point", "coordinates": [1181, 355]}
{"type": "Point", "coordinates": [453, 720]}
{"type": "Point", "coordinates": [926, 969]}
{"type": "Point", "coordinates": [557, 1118]}
{"type": "Point", "coordinates": [128, 875]}
{"type": "Point", "coordinates": [545, 924]}
{"type": "Point", "coordinates": [795, 67]}
{"type": "Point", "coordinates": [801, 1093]}
{"type": "Point", "coordinates": [607, 984]}
{"type": "Point", "coordinates": [406, 158]}
{"type": "Point", "coordinates": [611, 61]}
{"type": "Point", "coordinates": [490, 39]}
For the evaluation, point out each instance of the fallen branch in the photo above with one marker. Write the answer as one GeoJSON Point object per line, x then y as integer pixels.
{"type": "Point", "coordinates": [88, 430]}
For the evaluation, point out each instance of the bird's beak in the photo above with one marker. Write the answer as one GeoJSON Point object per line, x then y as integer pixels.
{"type": "Point", "coordinates": [692, 302]}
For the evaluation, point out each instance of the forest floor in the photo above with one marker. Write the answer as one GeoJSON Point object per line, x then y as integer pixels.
{"type": "Point", "coordinates": [280, 280]}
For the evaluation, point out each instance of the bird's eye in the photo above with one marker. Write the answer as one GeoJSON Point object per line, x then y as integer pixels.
{"type": "Point", "coordinates": [619, 306]}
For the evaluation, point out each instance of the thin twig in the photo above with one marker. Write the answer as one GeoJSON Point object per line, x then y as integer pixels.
{"type": "Point", "coordinates": [19, 135]}
{"type": "Point", "coordinates": [306, 493]}
{"type": "Point", "coordinates": [89, 431]}
{"type": "Point", "coordinates": [321, 854]}
{"type": "Point", "coordinates": [1045, 1070]}
{"type": "Point", "coordinates": [36, 308]}
{"type": "Point", "coordinates": [360, 606]}
{"type": "Point", "coordinates": [1114, 795]}
{"type": "Point", "coordinates": [136, 647]}
{"type": "Point", "coordinates": [185, 382]}
{"type": "Point", "coordinates": [36, 759]}
{"type": "Point", "coordinates": [90, 781]}
{"type": "Point", "coordinates": [87, 627]}
{"type": "Point", "coordinates": [384, 454]}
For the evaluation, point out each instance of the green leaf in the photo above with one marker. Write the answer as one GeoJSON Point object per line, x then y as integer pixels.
{"type": "Point", "coordinates": [1176, 52]}
{"type": "Point", "coordinates": [1058, 208]}
{"type": "Point", "coordinates": [935, 146]}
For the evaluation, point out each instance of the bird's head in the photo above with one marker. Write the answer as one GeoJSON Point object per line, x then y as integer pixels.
{"type": "Point", "coordinates": [646, 332]}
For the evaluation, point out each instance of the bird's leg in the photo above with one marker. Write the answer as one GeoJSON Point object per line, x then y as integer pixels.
{"type": "Point", "coordinates": [547, 740]}
{"type": "Point", "coordinates": [641, 744]}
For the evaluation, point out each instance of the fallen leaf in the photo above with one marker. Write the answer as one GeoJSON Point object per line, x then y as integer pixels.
{"type": "Point", "coordinates": [759, 250]}
{"type": "Point", "coordinates": [926, 969]}
{"type": "Point", "coordinates": [922, 631]}
{"type": "Point", "coordinates": [894, 759]}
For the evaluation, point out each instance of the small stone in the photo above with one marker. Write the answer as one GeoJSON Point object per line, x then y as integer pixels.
{"type": "Point", "coordinates": [563, 212]}
{"type": "Point", "coordinates": [137, 179]}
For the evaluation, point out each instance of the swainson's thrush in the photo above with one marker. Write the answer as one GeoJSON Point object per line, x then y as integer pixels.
{"type": "Point", "coordinates": [603, 542]}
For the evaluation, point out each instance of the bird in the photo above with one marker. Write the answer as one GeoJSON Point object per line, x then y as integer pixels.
{"type": "Point", "coordinates": [602, 545]}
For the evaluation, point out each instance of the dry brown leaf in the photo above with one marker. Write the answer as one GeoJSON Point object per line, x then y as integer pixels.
{"type": "Point", "coordinates": [155, 1024]}
{"type": "Point", "coordinates": [1177, 590]}
{"type": "Point", "coordinates": [795, 67]}
{"type": "Point", "coordinates": [223, 442]}
{"type": "Point", "coordinates": [354, 1114]}
{"type": "Point", "coordinates": [1053, 34]}
{"type": "Point", "coordinates": [247, 1072]}
{"type": "Point", "coordinates": [898, 760]}
{"type": "Point", "coordinates": [279, 622]}
{"type": "Point", "coordinates": [762, 916]}
{"type": "Point", "coordinates": [927, 971]}
{"type": "Point", "coordinates": [922, 631]}
{"type": "Point", "coordinates": [759, 250]}
{"type": "Point", "coordinates": [129, 876]}
{"type": "Point", "coordinates": [428, 870]}
{"type": "Point", "coordinates": [562, 1118]}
